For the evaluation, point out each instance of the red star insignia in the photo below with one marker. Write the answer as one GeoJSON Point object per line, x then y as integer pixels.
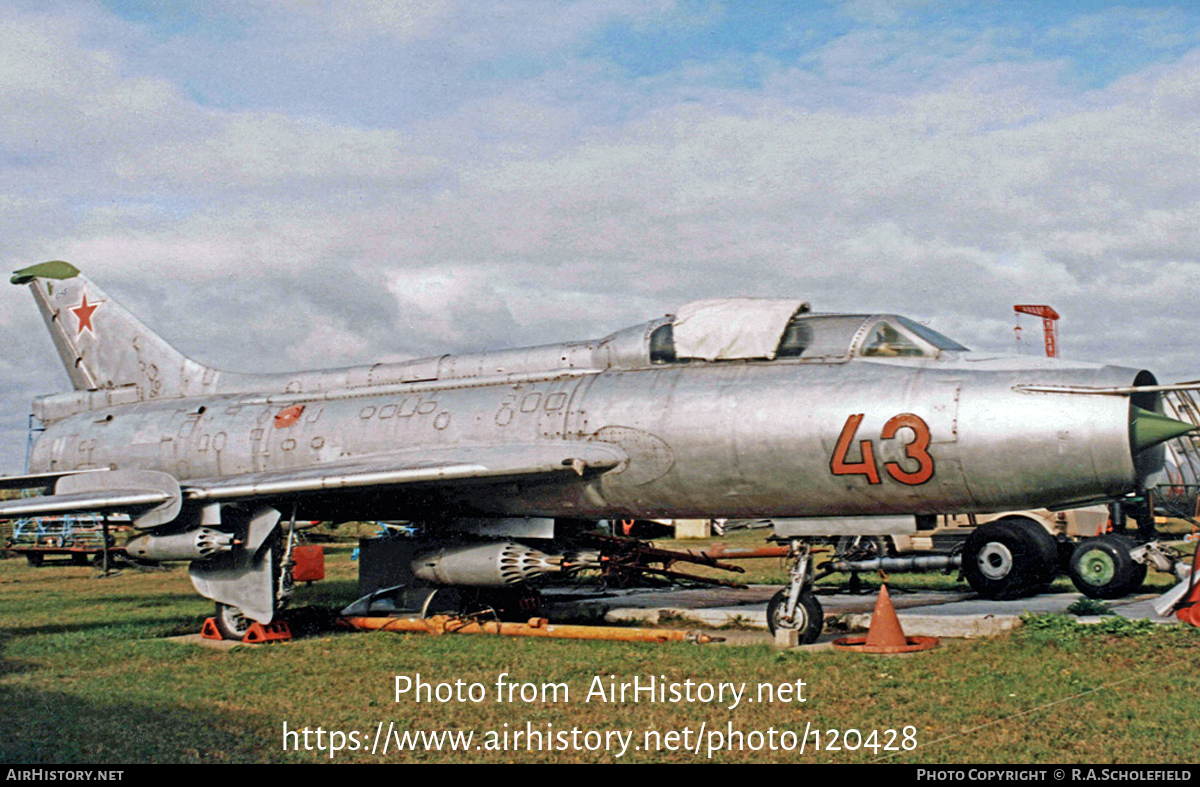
{"type": "Point", "coordinates": [83, 313]}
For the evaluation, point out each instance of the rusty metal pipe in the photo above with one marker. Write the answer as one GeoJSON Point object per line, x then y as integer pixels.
{"type": "Point", "coordinates": [726, 552]}
{"type": "Point", "coordinates": [535, 627]}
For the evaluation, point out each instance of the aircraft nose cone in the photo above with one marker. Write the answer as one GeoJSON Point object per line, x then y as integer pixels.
{"type": "Point", "coordinates": [1147, 429]}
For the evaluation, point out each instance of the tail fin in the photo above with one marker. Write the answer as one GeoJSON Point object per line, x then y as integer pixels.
{"type": "Point", "coordinates": [101, 344]}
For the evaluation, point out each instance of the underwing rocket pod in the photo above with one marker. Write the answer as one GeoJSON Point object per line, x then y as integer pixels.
{"type": "Point", "coordinates": [829, 424]}
{"type": "Point", "coordinates": [485, 565]}
{"type": "Point", "coordinates": [197, 544]}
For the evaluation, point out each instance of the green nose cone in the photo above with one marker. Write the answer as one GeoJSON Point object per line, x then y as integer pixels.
{"type": "Point", "coordinates": [1147, 429]}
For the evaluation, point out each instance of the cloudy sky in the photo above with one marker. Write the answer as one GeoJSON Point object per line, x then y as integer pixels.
{"type": "Point", "coordinates": [275, 184]}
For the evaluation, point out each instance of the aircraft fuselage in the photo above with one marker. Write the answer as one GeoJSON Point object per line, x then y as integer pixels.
{"type": "Point", "coordinates": [722, 439]}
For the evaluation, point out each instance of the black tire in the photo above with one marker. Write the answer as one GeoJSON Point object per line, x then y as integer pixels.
{"type": "Point", "coordinates": [1102, 567]}
{"type": "Point", "coordinates": [1047, 546]}
{"type": "Point", "coordinates": [810, 617]}
{"type": "Point", "coordinates": [231, 623]}
{"type": "Point", "coordinates": [1008, 558]}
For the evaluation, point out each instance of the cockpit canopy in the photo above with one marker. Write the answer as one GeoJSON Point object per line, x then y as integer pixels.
{"type": "Point", "coordinates": [766, 329]}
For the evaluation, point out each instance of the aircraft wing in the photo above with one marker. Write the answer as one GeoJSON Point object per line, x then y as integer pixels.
{"type": "Point", "coordinates": [429, 467]}
{"type": "Point", "coordinates": [1126, 390]}
{"type": "Point", "coordinates": [137, 492]}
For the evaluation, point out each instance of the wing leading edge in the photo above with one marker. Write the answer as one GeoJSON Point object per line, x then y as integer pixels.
{"type": "Point", "coordinates": [152, 496]}
{"type": "Point", "coordinates": [483, 463]}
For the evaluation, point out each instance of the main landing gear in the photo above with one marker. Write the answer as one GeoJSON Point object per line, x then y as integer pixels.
{"type": "Point", "coordinates": [231, 623]}
{"type": "Point", "coordinates": [1015, 556]}
{"type": "Point", "coordinates": [1104, 567]}
{"type": "Point", "coordinates": [1009, 558]}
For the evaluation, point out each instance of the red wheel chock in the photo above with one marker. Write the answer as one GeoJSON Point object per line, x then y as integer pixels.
{"type": "Point", "coordinates": [275, 631]}
{"type": "Point", "coordinates": [209, 630]}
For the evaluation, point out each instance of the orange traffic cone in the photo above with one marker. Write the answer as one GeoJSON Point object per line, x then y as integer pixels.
{"type": "Point", "coordinates": [885, 634]}
{"type": "Point", "coordinates": [1188, 608]}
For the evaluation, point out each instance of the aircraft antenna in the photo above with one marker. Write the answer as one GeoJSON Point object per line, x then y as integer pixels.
{"type": "Point", "coordinates": [1049, 324]}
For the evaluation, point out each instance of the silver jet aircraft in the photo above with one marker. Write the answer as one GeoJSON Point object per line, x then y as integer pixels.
{"type": "Point", "coordinates": [830, 424]}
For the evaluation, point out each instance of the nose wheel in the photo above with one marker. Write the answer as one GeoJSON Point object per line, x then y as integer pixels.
{"type": "Point", "coordinates": [808, 618]}
{"type": "Point", "coordinates": [795, 608]}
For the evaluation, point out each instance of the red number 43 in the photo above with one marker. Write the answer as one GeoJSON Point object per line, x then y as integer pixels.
{"type": "Point", "coordinates": [917, 450]}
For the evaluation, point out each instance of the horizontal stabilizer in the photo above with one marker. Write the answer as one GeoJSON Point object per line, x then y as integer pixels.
{"type": "Point", "coordinates": [151, 498]}
{"type": "Point", "coordinates": [40, 480]}
{"type": "Point", "coordinates": [107, 501]}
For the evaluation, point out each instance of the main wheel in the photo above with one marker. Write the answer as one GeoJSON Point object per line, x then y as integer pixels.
{"type": "Point", "coordinates": [1102, 567]}
{"type": "Point", "coordinates": [1009, 557]}
{"type": "Point", "coordinates": [231, 622]}
{"type": "Point", "coordinates": [1047, 546]}
{"type": "Point", "coordinates": [809, 618]}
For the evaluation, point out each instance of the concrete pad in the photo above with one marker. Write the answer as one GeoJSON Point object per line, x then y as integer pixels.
{"type": "Point", "coordinates": [978, 617]}
{"type": "Point", "coordinates": [732, 607]}
{"type": "Point", "coordinates": [213, 644]}
{"type": "Point", "coordinates": [951, 614]}
{"type": "Point", "coordinates": [958, 626]}
{"type": "Point", "coordinates": [971, 618]}
{"type": "Point", "coordinates": [1141, 608]}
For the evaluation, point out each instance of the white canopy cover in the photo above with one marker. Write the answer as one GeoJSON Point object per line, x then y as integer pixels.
{"type": "Point", "coordinates": [729, 328]}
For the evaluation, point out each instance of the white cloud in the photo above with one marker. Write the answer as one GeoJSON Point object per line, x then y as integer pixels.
{"type": "Point", "coordinates": [401, 19]}
{"type": "Point", "coordinates": [1153, 27]}
{"type": "Point", "coordinates": [326, 345]}
{"type": "Point", "coordinates": [946, 182]}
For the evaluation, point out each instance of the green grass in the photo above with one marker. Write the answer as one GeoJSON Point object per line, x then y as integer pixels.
{"type": "Point", "coordinates": [87, 676]}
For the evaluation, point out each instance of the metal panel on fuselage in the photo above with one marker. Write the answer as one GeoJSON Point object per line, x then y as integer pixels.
{"type": "Point", "coordinates": [231, 435]}
{"type": "Point", "coordinates": [795, 439]}
{"type": "Point", "coordinates": [741, 439]}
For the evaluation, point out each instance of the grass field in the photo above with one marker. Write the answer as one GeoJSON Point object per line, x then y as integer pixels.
{"type": "Point", "coordinates": [88, 676]}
